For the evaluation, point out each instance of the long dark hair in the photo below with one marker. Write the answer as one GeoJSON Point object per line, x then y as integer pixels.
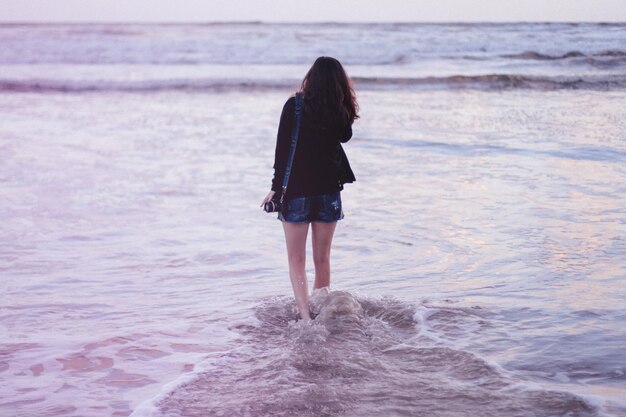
{"type": "Point", "coordinates": [328, 93]}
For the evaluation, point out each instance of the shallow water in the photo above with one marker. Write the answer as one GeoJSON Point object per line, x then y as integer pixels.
{"type": "Point", "coordinates": [131, 256]}
{"type": "Point", "coordinates": [479, 266]}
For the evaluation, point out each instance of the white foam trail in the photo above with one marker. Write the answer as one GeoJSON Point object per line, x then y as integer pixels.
{"type": "Point", "coordinates": [149, 408]}
{"type": "Point", "coordinates": [421, 316]}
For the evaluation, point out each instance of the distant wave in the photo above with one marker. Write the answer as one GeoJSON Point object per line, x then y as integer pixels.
{"type": "Point", "coordinates": [481, 82]}
{"type": "Point", "coordinates": [71, 86]}
{"type": "Point", "coordinates": [499, 82]}
{"type": "Point", "coordinates": [570, 54]}
{"type": "Point", "coordinates": [602, 59]}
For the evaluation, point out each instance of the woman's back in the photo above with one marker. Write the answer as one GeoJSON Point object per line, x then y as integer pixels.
{"type": "Point", "coordinates": [318, 157]}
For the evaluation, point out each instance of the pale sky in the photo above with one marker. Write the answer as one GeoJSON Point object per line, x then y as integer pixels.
{"type": "Point", "coordinates": [312, 10]}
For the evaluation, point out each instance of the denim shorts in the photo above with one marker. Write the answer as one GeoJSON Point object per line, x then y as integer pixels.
{"type": "Point", "coordinates": [317, 208]}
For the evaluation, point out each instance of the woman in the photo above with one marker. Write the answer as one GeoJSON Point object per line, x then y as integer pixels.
{"type": "Point", "coordinates": [319, 170]}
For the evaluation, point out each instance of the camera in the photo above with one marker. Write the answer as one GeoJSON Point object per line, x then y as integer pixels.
{"type": "Point", "coordinates": [271, 206]}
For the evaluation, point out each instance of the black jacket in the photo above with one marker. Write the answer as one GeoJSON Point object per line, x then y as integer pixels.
{"type": "Point", "coordinates": [320, 165]}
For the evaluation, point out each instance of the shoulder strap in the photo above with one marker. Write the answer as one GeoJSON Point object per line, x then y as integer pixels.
{"type": "Point", "coordinates": [294, 141]}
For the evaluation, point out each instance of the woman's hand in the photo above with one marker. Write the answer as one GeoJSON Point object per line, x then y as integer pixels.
{"type": "Point", "coordinates": [268, 198]}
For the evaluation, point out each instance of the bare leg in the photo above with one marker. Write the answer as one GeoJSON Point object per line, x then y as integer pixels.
{"type": "Point", "coordinates": [322, 240]}
{"type": "Point", "coordinates": [295, 237]}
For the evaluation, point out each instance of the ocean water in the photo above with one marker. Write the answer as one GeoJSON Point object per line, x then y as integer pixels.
{"type": "Point", "coordinates": [480, 268]}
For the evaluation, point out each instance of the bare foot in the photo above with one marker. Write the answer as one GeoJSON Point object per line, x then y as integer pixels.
{"type": "Point", "coordinates": [306, 317]}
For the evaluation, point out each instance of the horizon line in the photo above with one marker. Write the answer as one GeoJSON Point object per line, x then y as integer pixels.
{"type": "Point", "coordinates": [289, 22]}
{"type": "Point", "coordinates": [257, 22]}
